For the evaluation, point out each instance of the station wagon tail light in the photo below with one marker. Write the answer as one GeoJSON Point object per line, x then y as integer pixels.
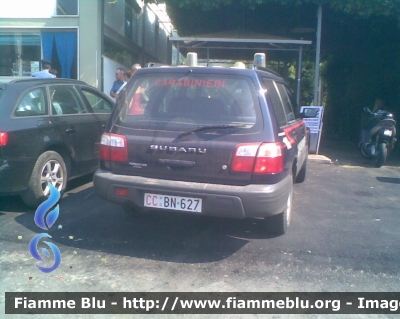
{"type": "Point", "coordinates": [265, 158]}
{"type": "Point", "coordinates": [269, 159]}
{"type": "Point", "coordinates": [113, 148]}
{"type": "Point", "coordinates": [3, 138]}
{"type": "Point", "coordinates": [244, 158]}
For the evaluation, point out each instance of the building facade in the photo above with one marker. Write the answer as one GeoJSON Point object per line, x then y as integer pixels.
{"type": "Point", "coordinates": [85, 40]}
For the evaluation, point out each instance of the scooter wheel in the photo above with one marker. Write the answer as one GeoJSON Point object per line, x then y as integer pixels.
{"type": "Point", "coordinates": [380, 158]}
{"type": "Point", "coordinates": [363, 152]}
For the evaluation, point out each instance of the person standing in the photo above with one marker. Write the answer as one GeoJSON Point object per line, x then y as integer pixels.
{"type": "Point", "coordinates": [120, 80]}
{"type": "Point", "coordinates": [45, 72]}
{"type": "Point", "coordinates": [128, 75]}
{"type": "Point", "coordinates": [135, 67]}
{"type": "Point", "coordinates": [54, 72]}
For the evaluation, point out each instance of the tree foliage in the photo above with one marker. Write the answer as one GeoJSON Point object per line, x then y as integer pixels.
{"type": "Point", "coordinates": [359, 7]}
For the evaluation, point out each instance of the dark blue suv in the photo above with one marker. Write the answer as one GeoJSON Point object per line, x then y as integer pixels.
{"type": "Point", "coordinates": [214, 141]}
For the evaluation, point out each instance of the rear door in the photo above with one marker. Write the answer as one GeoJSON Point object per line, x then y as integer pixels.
{"type": "Point", "coordinates": [101, 108]}
{"type": "Point", "coordinates": [293, 129]}
{"type": "Point", "coordinates": [76, 125]}
{"type": "Point", "coordinates": [187, 127]}
{"type": "Point", "coordinates": [29, 130]}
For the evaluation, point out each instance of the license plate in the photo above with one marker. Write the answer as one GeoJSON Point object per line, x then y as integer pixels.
{"type": "Point", "coordinates": [186, 204]}
{"type": "Point", "coordinates": [387, 132]}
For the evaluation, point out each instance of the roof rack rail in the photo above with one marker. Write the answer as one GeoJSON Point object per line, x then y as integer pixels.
{"type": "Point", "coordinates": [267, 70]}
{"type": "Point", "coordinates": [154, 65]}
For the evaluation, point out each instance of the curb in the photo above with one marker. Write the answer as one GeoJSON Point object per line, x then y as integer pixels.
{"type": "Point", "coordinates": [319, 159]}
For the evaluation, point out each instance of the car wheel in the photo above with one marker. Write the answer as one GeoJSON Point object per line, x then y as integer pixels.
{"type": "Point", "coordinates": [278, 224]}
{"type": "Point", "coordinates": [301, 176]}
{"type": "Point", "coordinates": [49, 167]}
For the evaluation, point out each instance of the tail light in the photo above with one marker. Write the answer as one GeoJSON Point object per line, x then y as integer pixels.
{"type": "Point", "coordinates": [113, 148]}
{"type": "Point", "coordinates": [3, 138]}
{"type": "Point", "coordinates": [265, 158]}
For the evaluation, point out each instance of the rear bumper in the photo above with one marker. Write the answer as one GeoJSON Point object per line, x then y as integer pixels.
{"type": "Point", "coordinates": [218, 200]}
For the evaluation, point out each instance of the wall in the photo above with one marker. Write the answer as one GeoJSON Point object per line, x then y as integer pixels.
{"type": "Point", "coordinates": [39, 16]}
{"type": "Point", "coordinates": [156, 47]}
{"type": "Point", "coordinates": [89, 43]}
{"type": "Point", "coordinates": [114, 15]}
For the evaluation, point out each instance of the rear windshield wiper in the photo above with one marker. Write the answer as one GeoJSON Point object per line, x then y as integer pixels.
{"type": "Point", "coordinates": [210, 127]}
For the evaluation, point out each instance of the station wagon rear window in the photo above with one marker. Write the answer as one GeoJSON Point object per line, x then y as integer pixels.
{"type": "Point", "coordinates": [174, 102]}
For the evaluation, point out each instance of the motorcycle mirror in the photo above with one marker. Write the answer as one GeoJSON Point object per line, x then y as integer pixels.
{"type": "Point", "coordinates": [366, 109]}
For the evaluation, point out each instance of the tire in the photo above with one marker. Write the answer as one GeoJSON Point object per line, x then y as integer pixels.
{"type": "Point", "coordinates": [278, 224]}
{"type": "Point", "coordinates": [301, 176]}
{"type": "Point", "coordinates": [363, 153]}
{"type": "Point", "coordinates": [380, 158]}
{"type": "Point", "coordinates": [50, 166]}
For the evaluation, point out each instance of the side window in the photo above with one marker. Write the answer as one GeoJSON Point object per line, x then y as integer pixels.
{"type": "Point", "coordinates": [287, 103]}
{"type": "Point", "coordinates": [65, 100]}
{"type": "Point", "coordinates": [276, 101]}
{"type": "Point", "coordinates": [98, 104]}
{"type": "Point", "coordinates": [33, 103]}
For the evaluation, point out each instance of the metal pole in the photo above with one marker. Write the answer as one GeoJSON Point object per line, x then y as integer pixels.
{"type": "Point", "coordinates": [144, 17]}
{"type": "Point", "coordinates": [299, 75]}
{"type": "Point", "coordinates": [177, 54]}
{"type": "Point", "coordinates": [317, 56]}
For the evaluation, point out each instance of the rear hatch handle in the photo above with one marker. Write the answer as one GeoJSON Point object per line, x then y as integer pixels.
{"type": "Point", "coordinates": [70, 130]}
{"type": "Point", "coordinates": [176, 163]}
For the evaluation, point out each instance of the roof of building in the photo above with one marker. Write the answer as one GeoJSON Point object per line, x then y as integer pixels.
{"type": "Point", "coordinates": [229, 44]}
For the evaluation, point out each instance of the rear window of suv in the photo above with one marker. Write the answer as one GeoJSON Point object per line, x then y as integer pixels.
{"type": "Point", "coordinates": [174, 102]}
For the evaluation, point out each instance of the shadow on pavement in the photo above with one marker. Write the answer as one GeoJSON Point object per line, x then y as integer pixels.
{"type": "Point", "coordinates": [90, 223]}
{"type": "Point", "coordinates": [347, 153]}
{"type": "Point", "coordinates": [12, 204]}
{"type": "Point", "coordinates": [390, 180]}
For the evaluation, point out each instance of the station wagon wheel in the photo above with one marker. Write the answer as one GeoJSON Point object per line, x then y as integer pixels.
{"type": "Point", "coordinates": [278, 224]}
{"type": "Point", "coordinates": [52, 172]}
{"type": "Point", "coordinates": [49, 168]}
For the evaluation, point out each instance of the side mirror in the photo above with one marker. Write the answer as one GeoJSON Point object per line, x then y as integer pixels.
{"type": "Point", "coordinates": [309, 113]}
{"type": "Point", "coordinates": [367, 110]}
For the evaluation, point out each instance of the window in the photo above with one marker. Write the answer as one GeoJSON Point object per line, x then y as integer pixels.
{"type": "Point", "coordinates": [67, 7]}
{"type": "Point", "coordinates": [20, 53]}
{"type": "Point", "coordinates": [287, 103]}
{"type": "Point", "coordinates": [61, 48]}
{"type": "Point", "coordinates": [276, 101]}
{"type": "Point", "coordinates": [33, 103]}
{"type": "Point", "coordinates": [98, 104]}
{"type": "Point", "coordinates": [174, 102]}
{"type": "Point", "coordinates": [115, 53]}
{"type": "Point", "coordinates": [128, 21]}
{"type": "Point", "coordinates": [65, 100]}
